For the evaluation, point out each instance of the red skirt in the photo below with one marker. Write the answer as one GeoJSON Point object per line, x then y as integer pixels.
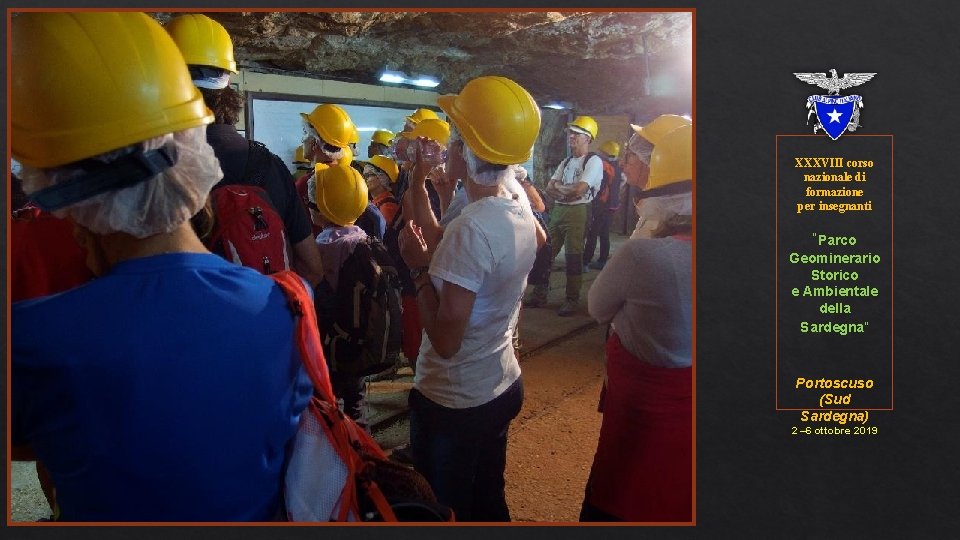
{"type": "Point", "coordinates": [643, 468]}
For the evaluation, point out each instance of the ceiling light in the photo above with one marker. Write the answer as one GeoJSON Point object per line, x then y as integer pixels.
{"type": "Point", "coordinates": [392, 77]}
{"type": "Point", "coordinates": [399, 77]}
{"type": "Point", "coordinates": [425, 82]}
{"type": "Point", "coordinates": [558, 105]}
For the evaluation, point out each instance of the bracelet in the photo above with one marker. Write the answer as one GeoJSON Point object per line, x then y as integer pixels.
{"type": "Point", "coordinates": [429, 282]}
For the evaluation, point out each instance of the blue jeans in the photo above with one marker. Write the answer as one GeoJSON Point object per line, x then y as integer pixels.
{"type": "Point", "coordinates": [463, 452]}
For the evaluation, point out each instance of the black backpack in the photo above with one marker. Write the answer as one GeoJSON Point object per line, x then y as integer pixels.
{"type": "Point", "coordinates": [360, 320]}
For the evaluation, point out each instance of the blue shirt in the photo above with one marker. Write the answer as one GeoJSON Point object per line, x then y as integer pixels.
{"type": "Point", "coordinates": [372, 221]}
{"type": "Point", "coordinates": [166, 390]}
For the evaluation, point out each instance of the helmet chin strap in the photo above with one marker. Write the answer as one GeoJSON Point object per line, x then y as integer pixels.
{"type": "Point", "coordinates": [99, 177]}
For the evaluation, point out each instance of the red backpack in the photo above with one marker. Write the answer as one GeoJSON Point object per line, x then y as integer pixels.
{"type": "Point", "coordinates": [336, 471]}
{"type": "Point", "coordinates": [247, 229]}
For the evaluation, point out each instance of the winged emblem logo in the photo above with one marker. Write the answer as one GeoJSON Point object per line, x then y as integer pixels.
{"type": "Point", "coordinates": [834, 113]}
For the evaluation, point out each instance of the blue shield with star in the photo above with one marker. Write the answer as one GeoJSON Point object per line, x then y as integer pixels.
{"type": "Point", "coordinates": [834, 113]}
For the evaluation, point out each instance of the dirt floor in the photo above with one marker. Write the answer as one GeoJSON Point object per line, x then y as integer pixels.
{"type": "Point", "coordinates": [551, 444]}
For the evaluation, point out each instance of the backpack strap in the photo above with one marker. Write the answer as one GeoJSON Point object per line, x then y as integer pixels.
{"type": "Point", "coordinates": [257, 158]}
{"type": "Point", "coordinates": [307, 333]}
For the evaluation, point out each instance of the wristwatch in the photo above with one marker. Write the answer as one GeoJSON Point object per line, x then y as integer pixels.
{"type": "Point", "coordinates": [418, 271]}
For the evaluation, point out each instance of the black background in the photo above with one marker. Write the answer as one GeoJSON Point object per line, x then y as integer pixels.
{"type": "Point", "coordinates": [755, 480]}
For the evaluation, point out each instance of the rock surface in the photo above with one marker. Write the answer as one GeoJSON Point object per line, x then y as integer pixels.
{"type": "Point", "coordinates": [601, 62]}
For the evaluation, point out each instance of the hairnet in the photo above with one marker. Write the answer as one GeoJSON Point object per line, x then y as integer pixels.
{"type": "Point", "coordinates": [370, 169]}
{"type": "Point", "coordinates": [157, 205]}
{"type": "Point", "coordinates": [486, 174]}
{"type": "Point", "coordinates": [655, 211]}
{"type": "Point", "coordinates": [641, 147]}
{"type": "Point", "coordinates": [209, 77]}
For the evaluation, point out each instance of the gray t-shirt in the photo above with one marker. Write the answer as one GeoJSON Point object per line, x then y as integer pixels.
{"type": "Point", "coordinates": [646, 290]}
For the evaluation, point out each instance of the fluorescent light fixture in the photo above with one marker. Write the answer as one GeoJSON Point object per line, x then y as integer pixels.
{"type": "Point", "coordinates": [426, 82]}
{"type": "Point", "coordinates": [558, 105]}
{"type": "Point", "coordinates": [392, 77]}
{"type": "Point", "coordinates": [399, 77]}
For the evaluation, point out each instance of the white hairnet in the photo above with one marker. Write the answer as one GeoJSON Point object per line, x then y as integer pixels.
{"type": "Point", "coordinates": [655, 211]}
{"type": "Point", "coordinates": [209, 78]}
{"type": "Point", "coordinates": [486, 174]}
{"type": "Point", "coordinates": [369, 170]}
{"type": "Point", "coordinates": [641, 147]}
{"type": "Point", "coordinates": [157, 205]}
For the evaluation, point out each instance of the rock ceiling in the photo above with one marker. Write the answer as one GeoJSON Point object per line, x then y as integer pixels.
{"type": "Point", "coordinates": [601, 62]}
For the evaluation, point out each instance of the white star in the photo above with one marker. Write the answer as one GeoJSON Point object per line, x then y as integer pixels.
{"type": "Point", "coordinates": [834, 116]}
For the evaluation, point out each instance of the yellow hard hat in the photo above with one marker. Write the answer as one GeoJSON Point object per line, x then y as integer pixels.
{"type": "Point", "coordinates": [341, 194]}
{"type": "Point", "coordinates": [421, 114]}
{"type": "Point", "coordinates": [298, 155]}
{"type": "Point", "coordinates": [611, 148]}
{"type": "Point", "coordinates": [347, 156]}
{"type": "Point", "coordinates": [85, 83]}
{"type": "Point", "coordinates": [387, 165]}
{"type": "Point", "coordinates": [672, 158]}
{"type": "Point", "coordinates": [203, 41]}
{"type": "Point", "coordinates": [354, 136]}
{"type": "Point", "coordinates": [585, 123]}
{"type": "Point", "coordinates": [382, 136]}
{"type": "Point", "coordinates": [660, 126]}
{"type": "Point", "coordinates": [496, 117]}
{"type": "Point", "coordinates": [431, 128]}
{"type": "Point", "coordinates": [332, 123]}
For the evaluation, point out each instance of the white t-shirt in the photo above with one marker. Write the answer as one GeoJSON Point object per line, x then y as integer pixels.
{"type": "Point", "coordinates": [568, 172]}
{"type": "Point", "coordinates": [489, 249]}
{"type": "Point", "coordinates": [460, 201]}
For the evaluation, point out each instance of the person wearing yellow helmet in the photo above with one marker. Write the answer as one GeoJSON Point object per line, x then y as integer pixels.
{"type": "Point", "coordinates": [647, 399]}
{"type": "Point", "coordinates": [338, 196]}
{"type": "Point", "coordinates": [302, 166]}
{"type": "Point", "coordinates": [672, 155]}
{"type": "Point", "coordinates": [380, 172]}
{"type": "Point", "coordinates": [208, 51]}
{"type": "Point", "coordinates": [418, 115]}
{"type": "Point", "coordinates": [111, 134]}
{"type": "Point", "coordinates": [432, 128]}
{"type": "Point", "coordinates": [467, 387]}
{"type": "Point", "coordinates": [329, 140]}
{"type": "Point", "coordinates": [573, 186]}
{"type": "Point", "coordinates": [603, 208]}
{"type": "Point", "coordinates": [380, 143]}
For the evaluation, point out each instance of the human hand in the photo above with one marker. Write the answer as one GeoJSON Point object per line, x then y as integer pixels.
{"type": "Point", "coordinates": [413, 248]}
{"type": "Point", "coordinates": [520, 173]}
{"type": "Point", "coordinates": [444, 185]}
{"type": "Point", "coordinates": [426, 156]}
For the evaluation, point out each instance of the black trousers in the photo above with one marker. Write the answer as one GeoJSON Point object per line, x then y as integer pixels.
{"type": "Point", "coordinates": [598, 226]}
